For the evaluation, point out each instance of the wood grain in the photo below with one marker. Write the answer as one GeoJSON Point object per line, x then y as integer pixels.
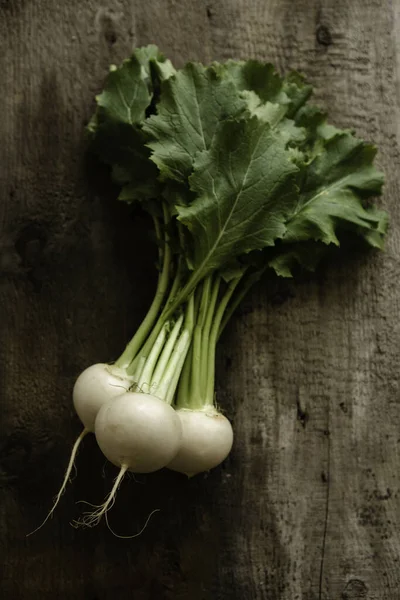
{"type": "Point", "coordinates": [308, 505]}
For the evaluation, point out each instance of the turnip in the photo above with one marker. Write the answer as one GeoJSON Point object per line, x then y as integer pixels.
{"type": "Point", "coordinates": [136, 432]}
{"type": "Point", "coordinates": [206, 441]}
{"type": "Point", "coordinates": [95, 386]}
{"type": "Point", "coordinates": [207, 435]}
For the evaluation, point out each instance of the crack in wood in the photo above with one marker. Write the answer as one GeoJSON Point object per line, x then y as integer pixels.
{"type": "Point", "coordinates": [302, 414]}
{"type": "Point", "coordinates": [325, 531]}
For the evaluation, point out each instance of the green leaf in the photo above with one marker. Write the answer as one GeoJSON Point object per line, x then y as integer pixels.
{"type": "Point", "coordinates": [259, 80]}
{"type": "Point", "coordinates": [257, 77]}
{"type": "Point", "coordinates": [334, 187]}
{"type": "Point", "coordinates": [290, 257]}
{"type": "Point", "coordinates": [297, 91]}
{"type": "Point", "coordinates": [122, 147]}
{"type": "Point", "coordinates": [139, 190]}
{"type": "Point", "coordinates": [376, 237]}
{"type": "Point", "coordinates": [154, 64]}
{"type": "Point", "coordinates": [177, 194]}
{"type": "Point", "coordinates": [126, 94]}
{"type": "Point", "coordinates": [115, 128]}
{"type": "Point", "coordinates": [312, 120]}
{"type": "Point", "coordinates": [246, 190]}
{"type": "Point", "coordinates": [241, 160]}
{"type": "Point", "coordinates": [193, 102]}
{"type": "Point", "coordinates": [233, 270]}
{"type": "Point", "coordinates": [129, 88]}
{"type": "Point", "coordinates": [274, 114]}
{"type": "Point", "coordinates": [266, 111]}
{"type": "Point", "coordinates": [268, 96]}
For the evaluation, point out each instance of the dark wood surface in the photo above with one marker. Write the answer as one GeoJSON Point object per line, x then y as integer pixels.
{"type": "Point", "coordinates": [308, 505]}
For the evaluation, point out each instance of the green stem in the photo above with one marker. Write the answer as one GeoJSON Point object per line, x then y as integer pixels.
{"type": "Point", "coordinates": [209, 399]}
{"type": "Point", "coordinates": [197, 294]}
{"type": "Point", "coordinates": [185, 380]}
{"type": "Point", "coordinates": [165, 314]}
{"type": "Point", "coordinates": [190, 314]}
{"type": "Point", "coordinates": [177, 280]}
{"type": "Point", "coordinates": [206, 332]}
{"type": "Point", "coordinates": [136, 342]}
{"type": "Point", "coordinates": [189, 394]}
{"type": "Point", "coordinates": [166, 388]}
{"type": "Point", "coordinates": [140, 362]}
{"type": "Point", "coordinates": [144, 382]}
{"type": "Point", "coordinates": [166, 353]}
{"type": "Point", "coordinates": [185, 292]}
{"type": "Point", "coordinates": [247, 283]}
{"type": "Point", "coordinates": [173, 303]}
{"type": "Point", "coordinates": [196, 379]}
{"type": "Point", "coordinates": [185, 343]}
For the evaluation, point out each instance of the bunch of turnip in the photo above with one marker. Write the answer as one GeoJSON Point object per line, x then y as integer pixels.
{"type": "Point", "coordinates": [239, 175]}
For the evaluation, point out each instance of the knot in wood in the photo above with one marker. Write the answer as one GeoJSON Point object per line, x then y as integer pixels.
{"type": "Point", "coordinates": [324, 36]}
{"type": "Point", "coordinates": [355, 590]}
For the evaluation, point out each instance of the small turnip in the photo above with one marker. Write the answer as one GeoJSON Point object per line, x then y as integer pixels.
{"type": "Point", "coordinates": [207, 439]}
{"type": "Point", "coordinates": [136, 432]}
{"type": "Point", "coordinates": [96, 385]}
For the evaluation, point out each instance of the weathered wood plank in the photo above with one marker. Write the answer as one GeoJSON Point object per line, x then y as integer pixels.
{"type": "Point", "coordinates": [334, 349]}
{"type": "Point", "coordinates": [308, 504]}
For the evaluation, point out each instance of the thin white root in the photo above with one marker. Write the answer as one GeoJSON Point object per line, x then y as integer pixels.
{"type": "Point", "coordinates": [91, 519]}
{"type": "Point", "coordinates": [67, 475]}
{"type": "Point", "coordinates": [129, 537]}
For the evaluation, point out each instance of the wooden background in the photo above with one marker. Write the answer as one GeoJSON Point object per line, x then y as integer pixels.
{"type": "Point", "coordinates": [308, 504]}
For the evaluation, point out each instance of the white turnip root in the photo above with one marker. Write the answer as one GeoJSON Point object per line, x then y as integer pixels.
{"type": "Point", "coordinates": [136, 432]}
{"type": "Point", "coordinates": [95, 386]}
{"type": "Point", "coordinates": [207, 439]}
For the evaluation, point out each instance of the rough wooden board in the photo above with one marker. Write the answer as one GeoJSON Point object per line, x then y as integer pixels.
{"type": "Point", "coordinates": [308, 504]}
